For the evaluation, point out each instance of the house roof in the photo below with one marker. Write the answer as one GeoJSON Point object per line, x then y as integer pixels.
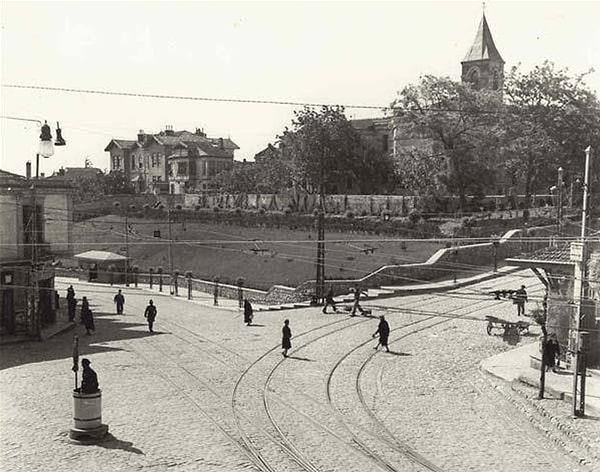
{"type": "Point", "coordinates": [199, 149]}
{"type": "Point", "coordinates": [483, 46]}
{"type": "Point", "coordinates": [76, 173]}
{"type": "Point", "coordinates": [121, 144]}
{"type": "Point", "coordinates": [545, 257]}
{"type": "Point", "coordinates": [187, 136]}
{"type": "Point", "coordinates": [8, 179]}
{"type": "Point", "coordinates": [372, 124]}
{"type": "Point", "coordinates": [99, 256]}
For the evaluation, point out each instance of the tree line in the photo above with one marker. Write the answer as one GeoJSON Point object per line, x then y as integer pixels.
{"type": "Point", "coordinates": [450, 139]}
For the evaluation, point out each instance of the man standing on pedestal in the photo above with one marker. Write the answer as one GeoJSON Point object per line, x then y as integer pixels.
{"type": "Point", "coordinates": [89, 379]}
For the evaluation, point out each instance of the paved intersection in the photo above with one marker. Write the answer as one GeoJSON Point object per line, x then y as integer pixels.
{"type": "Point", "coordinates": [209, 393]}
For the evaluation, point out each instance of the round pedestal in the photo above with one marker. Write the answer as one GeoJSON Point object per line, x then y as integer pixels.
{"type": "Point", "coordinates": [87, 410]}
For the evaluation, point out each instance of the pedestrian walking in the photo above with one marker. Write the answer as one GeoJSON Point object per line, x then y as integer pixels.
{"type": "Point", "coordinates": [329, 301]}
{"type": "Point", "coordinates": [87, 318]}
{"type": "Point", "coordinates": [71, 307]}
{"type": "Point", "coordinates": [216, 293]}
{"type": "Point", "coordinates": [71, 303]}
{"type": "Point", "coordinates": [286, 339]}
{"type": "Point", "coordinates": [356, 306]}
{"type": "Point", "coordinates": [119, 301]}
{"type": "Point", "coordinates": [89, 378]}
{"type": "Point", "coordinates": [150, 315]}
{"type": "Point", "coordinates": [248, 312]}
{"type": "Point", "coordinates": [551, 353]}
{"type": "Point", "coordinates": [519, 299]}
{"type": "Point", "coordinates": [383, 331]}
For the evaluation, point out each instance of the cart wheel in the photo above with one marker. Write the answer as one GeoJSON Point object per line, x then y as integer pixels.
{"type": "Point", "coordinates": [488, 328]}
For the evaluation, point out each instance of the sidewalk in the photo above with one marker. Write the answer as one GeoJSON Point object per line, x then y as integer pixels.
{"type": "Point", "coordinates": [514, 365]}
{"type": "Point", "coordinates": [206, 299]}
{"type": "Point", "coordinates": [61, 325]}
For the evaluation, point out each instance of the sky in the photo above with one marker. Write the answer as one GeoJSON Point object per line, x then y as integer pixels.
{"type": "Point", "coordinates": [351, 53]}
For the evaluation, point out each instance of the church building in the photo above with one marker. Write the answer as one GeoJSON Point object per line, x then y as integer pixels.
{"type": "Point", "coordinates": [482, 66]}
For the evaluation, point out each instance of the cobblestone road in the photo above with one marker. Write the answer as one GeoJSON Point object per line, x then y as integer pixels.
{"type": "Point", "coordinates": [207, 393]}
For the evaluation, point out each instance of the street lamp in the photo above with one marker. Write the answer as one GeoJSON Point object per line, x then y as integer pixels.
{"type": "Point", "coordinates": [46, 149]}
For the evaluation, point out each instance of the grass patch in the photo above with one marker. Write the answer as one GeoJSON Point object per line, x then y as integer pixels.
{"type": "Point", "coordinates": [262, 256]}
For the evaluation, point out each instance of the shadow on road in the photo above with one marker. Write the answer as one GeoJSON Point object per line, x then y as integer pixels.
{"type": "Point", "coordinates": [109, 327]}
{"type": "Point", "coordinates": [254, 325]}
{"type": "Point", "coordinates": [301, 358]}
{"type": "Point", "coordinates": [110, 442]}
{"type": "Point", "coordinates": [397, 353]}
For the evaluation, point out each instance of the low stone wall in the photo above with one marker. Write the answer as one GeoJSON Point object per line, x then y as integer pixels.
{"type": "Point", "coordinates": [445, 262]}
{"type": "Point", "coordinates": [360, 205]}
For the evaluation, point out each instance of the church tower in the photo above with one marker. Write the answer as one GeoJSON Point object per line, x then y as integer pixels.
{"type": "Point", "coordinates": [483, 67]}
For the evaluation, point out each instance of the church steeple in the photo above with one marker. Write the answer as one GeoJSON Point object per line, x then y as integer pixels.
{"type": "Point", "coordinates": [483, 66]}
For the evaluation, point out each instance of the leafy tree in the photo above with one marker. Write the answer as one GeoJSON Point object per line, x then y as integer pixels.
{"type": "Point", "coordinates": [115, 182]}
{"type": "Point", "coordinates": [558, 117]}
{"type": "Point", "coordinates": [462, 126]}
{"type": "Point", "coordinates": [528, 154]}
{"type": "Point", "coordinates": [240, 178]}
{"type": "Point", "coordinates": [274, 171]}
{"type": "Point", "coordinates": [322, 151]}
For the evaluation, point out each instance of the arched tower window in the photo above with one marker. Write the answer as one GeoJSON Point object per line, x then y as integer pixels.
{"type": "Point", "coordinates": [473, 78]}
{"type": "Point", "coordinates": [495, 80]}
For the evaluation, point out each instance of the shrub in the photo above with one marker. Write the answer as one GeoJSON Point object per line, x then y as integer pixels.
{"type": "Point", "coordinates": [178, 206]}
{"type": "Point", "coordinates": [188, 274]}
{"type": "Point", "coordinates": [261, 210]}
{"type": "Point", "coordinates": [349, 214]}
{"type": "Point", "coordinates": [198, 207]}
{"type": "Point", "coordinates": [216, 209]}
{"type": "Point", "coordinates": [238, 211]}
{"type": "Point", "coordinates": [415, 216]}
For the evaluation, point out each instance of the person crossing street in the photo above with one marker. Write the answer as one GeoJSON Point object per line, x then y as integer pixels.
{"type": "Point", "coordinates": [150, 315]}
{"type": "Point", "coordinates": [119, 301]}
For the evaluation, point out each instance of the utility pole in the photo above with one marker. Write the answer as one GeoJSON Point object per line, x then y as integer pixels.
{"type": "Point", "coordinates": [320, 282]}
{"type": "Point", "coordinates": [127, 246]}
{"type": "Point", "coordinates": [36, 322]}
{"type": "Point", "coordinates": [580, 256]}
{"type": "Point", "coordinates": [559, 202]}
{"type": "Point", "coordinates": [170, 246]}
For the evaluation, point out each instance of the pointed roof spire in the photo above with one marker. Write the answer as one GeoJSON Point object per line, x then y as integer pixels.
{"type": "Point", "coordinates": [483, 47]}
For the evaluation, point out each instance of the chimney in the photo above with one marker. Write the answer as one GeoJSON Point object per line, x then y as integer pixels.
{"type": "Point", "coordinates": [169, 130]}
{"type": "Point", "coordinates": [221, 143]}
{"type": "Point", "coordinates": [141, 136]}
{"type": "Point", "coordinates": [42, 175]}
{"type": "Point", "coordinates": [200, 132]}
{"type": "Point", "coordinates": [28, 170]}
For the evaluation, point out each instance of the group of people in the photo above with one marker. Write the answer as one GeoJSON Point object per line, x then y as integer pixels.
{"type": "Point", "coordinates": [87, 317]}
{"type": "Point", "coordinates": [329, 301]}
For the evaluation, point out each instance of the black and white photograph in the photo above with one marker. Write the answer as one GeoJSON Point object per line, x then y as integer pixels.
{"type": "Point", "coordinates": [300, 236]}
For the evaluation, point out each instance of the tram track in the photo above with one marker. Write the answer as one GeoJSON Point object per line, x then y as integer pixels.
{"type": "Point", "coordinates": [249, 443]}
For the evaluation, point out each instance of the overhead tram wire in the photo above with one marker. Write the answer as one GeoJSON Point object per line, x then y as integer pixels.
{"type": "Point", "coordinates": [246, 100]}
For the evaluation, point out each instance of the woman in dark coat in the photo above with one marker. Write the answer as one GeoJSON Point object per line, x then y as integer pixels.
{"type": "Point", "coordinates": [248, 312]}
{"type": "Point", "coordinates": [383, 330]}
{"type": "Point", "coordinates": [86, 316]}
{"type": "Point", "coordinates": [286, 340]}
{"type": "Point", "coordinates": [551, 353]}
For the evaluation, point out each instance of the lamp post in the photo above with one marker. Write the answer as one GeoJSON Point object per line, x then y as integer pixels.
{"type": "Point", "coordinates": [46, 149]}
{"type": "Point", "coordinates": [579, 256]}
